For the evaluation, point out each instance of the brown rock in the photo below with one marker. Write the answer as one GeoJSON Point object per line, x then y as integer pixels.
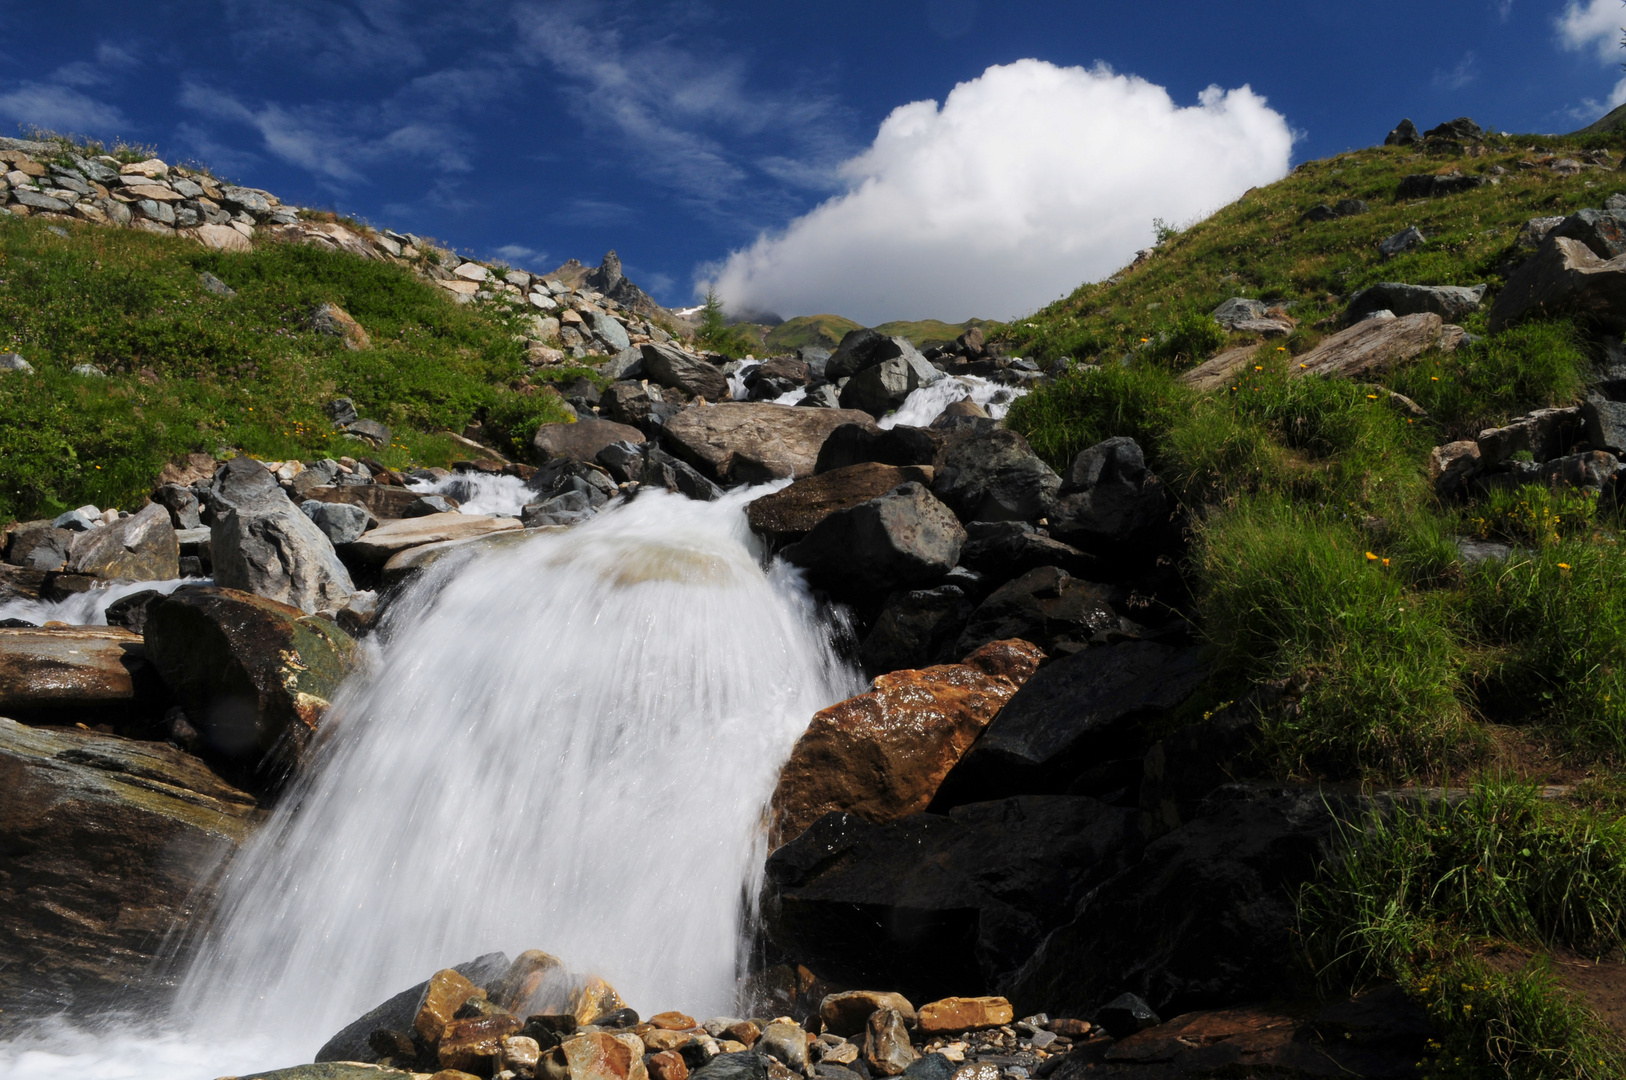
{"type": "Point", "coordinates": [524, 981]}
{"type": "Point", "coordinates": [221, 238]}
{"type": "Point", "coordinates": [887, 1049]}
{"type": "Point", "coordinates": [964, 407]}
{"type": "Point", "coordinates": [141, 547]}
{"type": "Point", "coordinates": [377, 546]}
{"type": "Point", "coordinates": [105, 845]}
{"type": "Point", "coordinates": [738, 442]}
{"type": "Point", "coordinates": [1451, 465]}
{"type": "Point", "coordinates": [1219, 371]}
{"type": "Point", "coordinates": [582, 440]}
{"type": "Point", "coordinates": [451, 1074]}
{"type": "Point", "coordinates": [155, 192]}
{"type": "Point", "coordinates": [845, 1014]}
{"type": "Point", "coordinates": [445, 994]}
{"type": "Point", "coordinates": [592, 998]}
{"type": "Point", "coordinates": [1564, 278]}
{"type": "Point", "coordinates": [657, 1039]}
{"type": "Point", "coordinates": [602, 1056]}
{"type": "Point", "coordinates": [520, 1054]}
{"type": "Point", "coordinates": [745, 1032]}
{"type": "Point", "coordinates": [1372, 347]}
{"type": "Point", "coordinates": [475, 1045]}
{"type": "Point", "coordinates": [1069, 1028]}
{"type": "Point", "coordinates": [964, 1014]}
{"type": "Point", "coordinates": [667, 1065]}
{"type": "Point", "coordinates": [82, 667]}
{"type": "Point", "coordinates": [673, 1021]}
{"type": "Point", "coordinates": [791, 512]}
{"type": "Point", "coordinates": [381, 500]}
{"type": "Point", "coordinates": [188, 470]}
{"type": "Point", "coordinates": [334, 321]}
{"type": "Point", "coordinates": [882, 755]}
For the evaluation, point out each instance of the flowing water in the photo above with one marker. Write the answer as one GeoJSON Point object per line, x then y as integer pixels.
{"type": "Point", "coordinates": [89, 608]}
{"type": "Point", "coordinates": [567, 744]}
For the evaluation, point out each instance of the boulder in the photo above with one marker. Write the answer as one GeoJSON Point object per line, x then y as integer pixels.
{"type": "Point", "coordinates": [741, 442]}
{"type": "Point", "coordinates": [141, 547]}
{"type": "Point", "coordinates": [38, 545]}
{"type": "Point", "coordinates": [1605, 422]}
{"type": "Point", "coordinates": [1451, 466]}
{"type": "Point", "coordinates": [333, 321]}
{"type": "Point", "coordinates": [1603, 231]}
{"type": "Point", "coordinates": [863, 349]}
{"type": "Point", "coordinates": [262, 543]}
{"type": "Point", "coordinates": [1404, 134]}
{"type": "Point", "coordinates": [1544, 433]}
{"type": "Point", "coordinates": [582, 440]}
{"type": "Point", "coordinates": [1434, 186]}
{"type": "Point", "coordinates": [1449, 302]}
{"type": "Point", "coordinates": [1236, 310]}
{"type": "Point", "coordinates": [340, 522]}
{"type": "Point", "coordinates": [936, 904]}
{"type": "Point", "coordinates": [368, 431]}
{"type": "Point", "coordinates": [915, 629]}
{"type": "Point", "coordinates": [399, 1012]}
{"type": "Point", "coordinates": [995, 476]}
{"type": "Point", "coordinates": [1462, 129]}
{"type": "Point", "coordinates": [182, 504]}
{"type": "Point", "coordinates": [792, 512]}
{"type": "Point", "coordinates": [637, 405]}
{"type": "Point", "coordinates": [662, 470]}
{"type": "Point", "coordinates": [608, 329]}
{"type": "Point", "coordinates": [882, 755]}
{"type": "Point", "coordinates": [669, 365]}
{"type": "Point", "coordinates": [1407, 239]}
{"type": "Point", "coordinates": [377, 546]}
{"type": "Point", "coordinates": [1004, 548]}
{"type": "Point", "coordinates": [254, 676]}
{"type": "Point", "coordinates": [1077, 712]}
{"type": "Point", "coordinates": [964, 1014]}
{"type": "Point", "coordinates": [382, 501]}
{"type": "Point", "coordinates": [1564, 278]}
{"type": "Point", "coordinates": [1371, 348]}
{"type": "Point", "coordinates": [1048, 607]}
{"type": "Point", "coordinates": [881, 388]}
{"type": "Point", "coordinates": [903, 538]}
{"type": "Point", "coordinates": [1205, 918]}
{"type": "Point", "coordinates": [1219, 371]}
{"type": "Point", "coordinates": [846, 1013]}
{"type": "Point", "coordinates": [775, 376]}
{"type": "Point", "coordinates": [71, 674]}
{"type": "Point", "coordinates": [786, 1042]}
{"type": "Point", "coordinates": [1109, 498]}
{"type": "Point", "coordinates": [857, 444]}
{"type": "Point", "coordinates": [105, 845]}
{"type": "Point", "coordinates": [604, 1056]}
{"type": "Point", "coordinates": [1589, 471]}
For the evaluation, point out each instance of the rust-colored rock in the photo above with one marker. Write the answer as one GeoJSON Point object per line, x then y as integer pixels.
{"type": "Point", "coordinates": [673, 1021]}
{"type": "Point", "coordinates": [380, 500]}
{"type": "Point", "coordinates": [793, 511]}
{"type": "Point", "coordinates": [1372, 347]}
{"type": "Point", "coordinates": [845, 1014]}
{"type": "Point", "coordinates": [1070, 1028]}
{"type": "Point", "coordinates": [667, 1065]}
{"type": "Point", "coordinates": [657, 1039]}
{"type": "Point", "coordinates": [602, 1056]}
{"type": "Point", "coordinates": [445, 994]}
{"type": "Point", "coordinates": [887, 1049]}
{"type": "Point", "coordinates": [882, 755]}
{"type": "Point", "coordinates": [592, 999]}
{"type": "Point", "coordinates": [475, 1045]}
{"type": "Point", "coordinates": [964, 1014]}
{"type": "Point", "coordinates": [334, 321]}
{"type": "Point", "coordinates": [745, 1032]}
{"type": "Point", "coordinates": [523, 983]}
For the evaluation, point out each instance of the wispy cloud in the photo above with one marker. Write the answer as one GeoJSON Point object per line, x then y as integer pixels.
{"type": "Point", "coordinates": [62, 100]}
{"type": "Point", "coordinates": [1466, 71]}
{"type": "Point", "coordinates": [328, 38]}
{"type": "Point", "coordinates": [519, 253]}
{"type": "Point", "coordinates": [1592, 24]}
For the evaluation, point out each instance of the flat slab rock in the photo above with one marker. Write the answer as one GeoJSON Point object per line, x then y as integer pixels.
{"type": "Point", "coordinates": [81, 665]}
{"type": "Point", "coordinates": [381, 543]}
{"type": "Point", "coordinates": [1217, 372]}
{"type": "Point", "coordinates": [1372, 347]}
{"type": "Point", "coordinates": [793, 511]}
{"type": "Point", "coordinates": [750, 442]}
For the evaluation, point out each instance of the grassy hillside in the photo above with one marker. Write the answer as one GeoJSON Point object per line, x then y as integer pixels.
{"type": "Point", "coordinates": [187, 370]}
{"type": "Point", "coordinates": [1320, 554]}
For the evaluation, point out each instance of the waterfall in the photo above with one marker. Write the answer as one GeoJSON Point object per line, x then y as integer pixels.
{"type": "Point", "coordinates": [567, 744]}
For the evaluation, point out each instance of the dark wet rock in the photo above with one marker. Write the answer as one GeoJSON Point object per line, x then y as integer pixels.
{"type": "Point", "coordinates": [662, 470]}
{"type": "Point", "coordinates": [1048, 607]}
{"type": "Point", "coordinates": [1452, 303]}
{"type": "Point", "coordinates": [397, 1013]}
{"type": "Point", "coordinates": [856, 444]}
{"type": "Point", "coordinates": [1005, 548]}
{"type": "Point", "coordinates": [775, 376]}
{"type": "Point", "coordinates": [1205, 918]}
{"type": "Point", "coordinates": [863, 349]}
{"type": "Point", "coordinates": [1077, 711]}
{"type": "Point", "coordinates": [916, 629]}
{"type": "Point", "coordinates": [792, 512]}
{"type": "Point", "coordinates": [254, 676]}
{"type": "Point", "coordinates": [995, 477]}
{"type": "Point", "coordinates": [1109, 498]}
{"type": "Point", "coordinates": [905, 537]}
{"type": "Point", "coordinates": [1125, 1015]}
{"type": "Point", "coordinates": [382, 501]}
{"type": "Point", "coordinates": [130, 611]}
{"type": "Point", "coordinates": [940, 904]}
{"type": "Point", "coordinates": [105, 843]}
{"type": "Point", "coordinates": [624, 461]}
{"type": "Point", "coordinates": [66, 675]}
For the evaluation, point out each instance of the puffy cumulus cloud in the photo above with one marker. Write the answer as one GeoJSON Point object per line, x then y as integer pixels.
{"type": "Point", "coordinates": [1027, 181]}
{"type": "Point", "coordinates": [1594, 24]}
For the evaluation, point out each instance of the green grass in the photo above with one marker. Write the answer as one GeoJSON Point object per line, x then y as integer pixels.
{"type": "Point", "coordinates": [1487, 383]}
{"type": "Point", "coordinates": [1433, 893]}
{"type": "Point", "coordinates": [190, 371]}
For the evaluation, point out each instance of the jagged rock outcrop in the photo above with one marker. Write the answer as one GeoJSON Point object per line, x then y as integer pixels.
{"type": "Point", "coordinates": [262, 543]}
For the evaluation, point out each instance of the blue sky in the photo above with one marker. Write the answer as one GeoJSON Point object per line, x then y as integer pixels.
{"type": "Point", "coordinates": [680, 133]}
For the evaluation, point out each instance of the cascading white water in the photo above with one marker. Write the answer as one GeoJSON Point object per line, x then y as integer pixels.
{"type": "Point", "coordinates": [89, 608]}
{"type": "Point", "coordinates": [568, 745]}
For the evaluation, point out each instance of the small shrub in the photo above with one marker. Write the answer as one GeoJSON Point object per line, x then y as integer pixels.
{"type": "Point", "coordinates": [1082, 408]}
{"type": "Point", "coordinates": [1192, 339]}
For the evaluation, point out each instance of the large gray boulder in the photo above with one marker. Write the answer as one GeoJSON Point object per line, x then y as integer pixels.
{"type": "Point", "coordinates": [881, 388]}
{"type": "Point", "coordinates": [740, 442]}
{"type": "Point", "coordinates": [996, 476]}
{"type": "Point", "coordinates": [582, 440]}
{"type": "Point", "coordinates": [141, 547]}
{"type": "Point", "coordinates": [1603, 231]}
{"type": "Point", "coordinates": [1372, 347]}
{"type": "Point", "coordinates": [669, 365]}
{"type": "Point", "coordinates": [263, 544]}
{"type": "Point", "coordinates": [105, 844]}
{"type": "Point", "coordinates": [1605, 424]}
{"type": "Point", "coordinates": [1564, 278]}
{"type": "Point", "coordinates": [861, 349]}
{"type": "Point", "coordinates": [1238, 309]}
{"type": "Point", "coordinates": [904, 538]}
{"type": "Point", "coordinates": [1449, 302]}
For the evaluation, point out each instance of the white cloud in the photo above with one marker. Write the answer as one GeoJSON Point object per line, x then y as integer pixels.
{"type": "Point", "coordinates": [1466, 71]}
{"type": "Point", "coordinates": [1591, 108]}
{"type": "Point", "coordinates": [59, 107]}
{"type": "Point", "coordinates": [1593, 24]}
{"type": "Point", "coordinates": [1026, 182]}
